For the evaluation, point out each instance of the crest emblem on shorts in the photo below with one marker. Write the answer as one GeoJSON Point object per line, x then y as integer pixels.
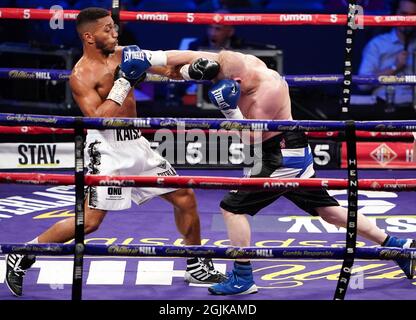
{"type": "Point", "coordinates": [162, 165]}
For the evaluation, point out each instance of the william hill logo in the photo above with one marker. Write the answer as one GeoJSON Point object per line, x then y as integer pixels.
{"type": "Point", "coordinates": [383, 154]}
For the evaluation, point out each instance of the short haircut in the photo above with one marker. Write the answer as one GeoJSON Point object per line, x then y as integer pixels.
{"type": "Point", "coordinates": [89, 15]}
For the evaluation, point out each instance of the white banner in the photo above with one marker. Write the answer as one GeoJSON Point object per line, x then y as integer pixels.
{"type": "Point", "coordinates": [37, 155]}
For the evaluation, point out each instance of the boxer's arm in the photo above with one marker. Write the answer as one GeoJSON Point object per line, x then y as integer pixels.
{"type": "Point", "coordinates": [168, 63]}
{"type": "Point", "coordinates": [89, 101]}
{"type": "Point", "coordinates": [181, 57]}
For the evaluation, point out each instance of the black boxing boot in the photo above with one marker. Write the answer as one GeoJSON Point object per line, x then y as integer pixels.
{"type": "Point", "coordinates": [16, 267]}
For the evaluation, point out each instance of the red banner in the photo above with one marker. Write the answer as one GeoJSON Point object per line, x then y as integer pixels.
{"type": "Point", "coordinates": [215, 18]}
{"type": "Point", "coordinates": [394, 155]}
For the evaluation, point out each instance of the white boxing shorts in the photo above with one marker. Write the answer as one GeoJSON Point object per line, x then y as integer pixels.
{"type": "Point", "coordinates": [122, 152]}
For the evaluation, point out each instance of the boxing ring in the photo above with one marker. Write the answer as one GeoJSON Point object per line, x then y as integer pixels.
{"type": "Point", "coordinates": [79, 180]}
{"type": "Point", "coordinates": [304, 264]}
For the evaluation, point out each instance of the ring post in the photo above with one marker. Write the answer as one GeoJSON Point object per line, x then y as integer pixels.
{"type": "Point", "coordinates": [345, 274]}
{"type": "Point", "coordinates": [349, 41]}
{"type": "Point", "coordinates": [79, 209]}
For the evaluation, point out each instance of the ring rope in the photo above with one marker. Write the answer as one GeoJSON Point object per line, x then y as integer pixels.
{"type": "Point", "coordinates": [209, 182]}
{"type": "Point", "coordinates": [226, 252]}
{"type": "Point", "coordinates": [33, 130]}
{"type": "Point", "coordinates": [12, 119]}
{"type": "Point", "coordinates": [216, 18]}
{"type": "Point", "coordinates": [293, 80]}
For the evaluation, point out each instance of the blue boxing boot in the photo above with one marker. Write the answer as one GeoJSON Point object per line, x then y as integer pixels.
{"type": "Point", "coordinates": [407, 265]}
{"type": "Point", "coordinates": [239, 281]}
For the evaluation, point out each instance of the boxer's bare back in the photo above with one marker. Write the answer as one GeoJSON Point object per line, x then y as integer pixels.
{"type": "Point", "coordinates": [264, 93]}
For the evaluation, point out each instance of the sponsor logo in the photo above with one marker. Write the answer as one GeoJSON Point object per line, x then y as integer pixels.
{"type": "Point", "coordinates": [114, 191]}
{"type": "Point", "coordinates": [393, 254]}
{"type": "Point", "coordinates": [36, 248]}
{"type": "Point", "coordinates": [21, 118]}
{"type": "Point", "coordinates": [197, 125]}
{"type": "Point", "coordinates": [16, 74]}
{"type": "Point", "coordinates": [228, 125]}
{"type": "Point", "coordinates": [43, 75]}
{"type": "Point", "coordinates": [172, 123]}
{"type": "Point", "coordinates": [70, 15]}
{"type": "Point", "coordinates": [217, 18]}
{"type": "Point", "coordinates": [110, 182]}
{"type": "Point", "coordinates": [399, 18]}
{"type": "Point", "coordinates": [383, 154]}
{"type": "Point", "coordinates": [410, 79]}
{"type": "Point", "coordinates": [142, 123]}
{"type": "Point", "coordinates": [375, 185]}
{"type": "Point", "coordinates": [240, 18]}
{"type": "Point", "coordinates": [316, 79]}
{"type": "Point", "coordinates": [116, 123]}
{"type": "Point", "coordinates": [219, 98]}
{"type": "Point", "coordinates": [283, 185]}
{"type": "Point", "coordinates": [20, 74]}
{"type": "Point", "coordinates": [124, 250]}
{"type": "Point", "coordinates": [170, 172]}
{"type": "Point", "coordinates": [32, 154]}
{"type": "Point", "coordinates": [127, 134]}
{"type": "Point", "coordinates": [307, 253]}
{"type": "Point", "coordinates": [384, 127]}
{"type": "Point", "coordinates": [152, 17]}
{"type": "Point", "coordinates": [391, 79]}
{"type": "Point", "coordinates": [236, 252]}
{"type": "Point", "coordinates": [259, 127]}
{"type": "Point", "coordinates": [296, 17]}
{"type": "Point", "coordinates": [63, 76]}
{"type": "Point", "coordinates": [267, 253]}
{"type": "Point", "coordinates": [400, 186]}
{"type": "Point", "coordinates": [134, 54]}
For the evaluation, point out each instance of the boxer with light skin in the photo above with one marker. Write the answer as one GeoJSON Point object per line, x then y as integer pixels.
{"type": "Point", "coordinates": [245, 88]}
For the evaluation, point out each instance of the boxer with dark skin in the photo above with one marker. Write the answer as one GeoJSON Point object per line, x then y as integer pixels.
{"type": "Point", "coordinates": [102, 84]}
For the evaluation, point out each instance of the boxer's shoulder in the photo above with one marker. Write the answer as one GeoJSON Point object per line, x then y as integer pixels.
{"type": "Point", "coordinates": [82, 73]}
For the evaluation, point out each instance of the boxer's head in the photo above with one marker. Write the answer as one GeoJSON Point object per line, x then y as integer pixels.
{"type": "Point", "coordinates": [96, 28]}
{"type": "Point", "coordinates": [232, 65]}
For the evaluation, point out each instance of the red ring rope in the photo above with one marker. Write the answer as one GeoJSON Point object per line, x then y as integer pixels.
{"type": "Point", "coordinates": [208, 182]}
{"type": "Point", "coordinates": [329, 134]}
{"type": "Point", "coordinates": [215, 18]}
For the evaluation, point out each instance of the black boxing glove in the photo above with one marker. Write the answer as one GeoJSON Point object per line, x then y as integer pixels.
{"type": "Point", "coordinates": [200, 69]}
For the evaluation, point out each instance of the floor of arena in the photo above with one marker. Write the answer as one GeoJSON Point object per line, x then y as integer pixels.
{"type": "Point", "coordinates": [280, 224]}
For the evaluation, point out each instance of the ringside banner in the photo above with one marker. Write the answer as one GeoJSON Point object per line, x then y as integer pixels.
{"type": "Point", "coordinates": [59, 155]}
{"type": "Point", "coordinates": [382, 155]}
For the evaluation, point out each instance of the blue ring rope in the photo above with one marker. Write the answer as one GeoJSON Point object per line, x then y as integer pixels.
{"type": "Point", "coordinates": [11, 119]}
{"type": "Point", "coordinates": [333, 253]}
